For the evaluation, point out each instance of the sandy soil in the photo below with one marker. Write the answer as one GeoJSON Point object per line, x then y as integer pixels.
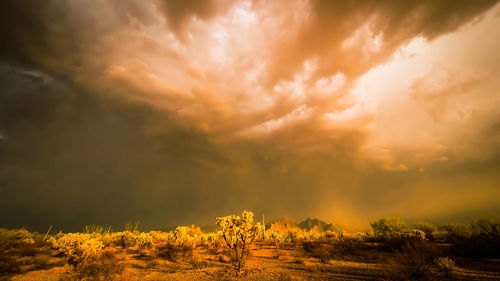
{"type": "Point", "coordinates": [264, 263]}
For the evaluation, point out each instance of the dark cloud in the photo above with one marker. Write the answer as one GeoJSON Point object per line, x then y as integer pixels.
{"type": "Point", "coordinates": [106, 117]}
{"type": "Point", "coordinates": [70, 158]}
{"type": "Point", "coordinates": [59, 36]}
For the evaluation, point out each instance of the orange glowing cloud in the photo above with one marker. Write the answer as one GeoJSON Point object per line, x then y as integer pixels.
{"type": "Point", "coordinates": [314, 76]}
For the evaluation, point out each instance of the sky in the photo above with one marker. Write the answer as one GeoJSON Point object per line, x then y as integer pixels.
{"type": "Point", "coordinates": [176, 112]}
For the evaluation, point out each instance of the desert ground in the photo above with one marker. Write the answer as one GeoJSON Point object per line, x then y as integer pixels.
{"type": "Point", "coordinates": [264, 263]}
{"type": "Point", "coordinates": [187, 253]}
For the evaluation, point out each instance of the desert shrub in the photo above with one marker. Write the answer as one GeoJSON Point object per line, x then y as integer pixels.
{"type": "Point", "coordinates": [198, 263]}
{"type": "Point", "coordinates": [458, 230]}
{"type": "Point", "coordinates": [160, 237]}
{"type": "Point", "coordinates": [12, 237]}
{"type": "Point", "coordinates": [173, 252]}
{"type": "Point", "coordinates": [78, 244]}
{"type": "Point", "coordinates": [389, 227]}
{"type": "Point", "coordinates": [346, 246]}
{"type": "Point", "coordinates": [394, 234]}
{"type": "Point", "coordinates": [213, 250]}
{"type": "Point", "coordinates": [445, 265]}
{"type": "Point", "coordinates": [102, 267]}
{"type": "Point", "coordinates": [238, 233]}
{"type": "Point", "coordinates": [487, 227]}
{"type": "Point", "coordinates": [126, 239]}
{"type": "Point", "coordinates": [212, 242]}
{"type": "Point", "coordinates": [181, 236]}
{"type": "Point", "coordinates": [415, 234]}
{"type": "Point", "coordinates": [20, 248]}
{"type": "Point", "coordinates": [112, 239]}
{"type": "Point", "coordinates": [413, 261]}
{"type": "Point", "coordinates": [178, 243]}
{"type": "Point", "coordinates": [406, 267]}
{"type": "Point", "coordinates": [291, 235]}
{"type": "Point", "coordinates": [144, 240]}
{"type": "Point", "coordinates": [409, 242]}
{"type": "Point", "coordinates": [318, 250]}
{"type": "Point", "coordinates": [428, 228]}
{"type": "Point", "coordinates": [480, 239]}
{"type": "Point", "coordinates": [206, 239]}
{"type": "Point", "coordinates": [275, 238]}
{"type": "Point", "coordinates": [9, 264]}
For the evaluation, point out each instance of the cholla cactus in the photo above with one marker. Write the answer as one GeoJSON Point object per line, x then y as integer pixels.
{"type": "Point", "coordinates": [211, 239]}
{"type": "Point", "coordinates": [276, 237]}
{"type": "Point", "coordinates": [91, 248]}
{"type": "Point", "coordinates": [181, 237]}
{"type": "Point", "coordinates": [112, 239]}
{"type": "Point", "coordinates": [127, 239]}
{"type": "Point", "coordinates": [160, 237]}
{"type": "Point", "coordinates": [292, 235]}
{"type": "Point", "coordinates": [144, 240]}
{"type": "Point", "coordinates": [238, 233]}
{"type": "Point", "coordinates": [79, 244]}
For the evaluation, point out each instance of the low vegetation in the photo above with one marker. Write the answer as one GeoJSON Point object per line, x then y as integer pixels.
{"type": "Point", "coordinates": [243, 249]}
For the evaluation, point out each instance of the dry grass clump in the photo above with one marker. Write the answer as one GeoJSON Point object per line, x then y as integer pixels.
{"type": "Point", "coordinates": [198, 263]}
{"type": "Point", "coordinates": [21, 251]}
{"type": "Point", "coordinates": [446, 266]}
{"type": "Point", "coordinates": [105, 266]}
{"type": "Point", "coordinates": [174, 252]}
{"type": "Point", "coordinates": [319, 250]}
{"type": "Point", "coordinates": [413, 262]}
{"type": "Point", "coordinates": [9, 264]}
{"type": "Point", "coordinates": [406, 266]}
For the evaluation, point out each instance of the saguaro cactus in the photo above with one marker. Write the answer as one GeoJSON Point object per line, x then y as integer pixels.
{"type": "Point", "coordinates": [263, 227]}
{"type": "Point", "coordinates": [238, 233]}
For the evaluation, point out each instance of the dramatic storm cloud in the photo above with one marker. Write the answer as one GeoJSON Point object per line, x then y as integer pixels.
{"type": "Point", "coordinates": [174, 112]}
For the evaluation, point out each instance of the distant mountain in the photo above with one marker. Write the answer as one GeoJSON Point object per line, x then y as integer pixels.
{"type": "Point", "coordinates": [316, 224]}
{"type": "Point", "coordinates": [282, 225]}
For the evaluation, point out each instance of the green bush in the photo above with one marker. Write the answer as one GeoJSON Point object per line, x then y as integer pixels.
{"type": "Point", "coordinates": [458, 230]}
{"type": "Point", "coordinates": [389, 227]}
{"type": "Point", "coordinates": [487, 227]}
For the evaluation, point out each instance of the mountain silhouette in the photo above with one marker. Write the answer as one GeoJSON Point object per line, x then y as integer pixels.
{"type": "Point", "coordinates": [315, 224]}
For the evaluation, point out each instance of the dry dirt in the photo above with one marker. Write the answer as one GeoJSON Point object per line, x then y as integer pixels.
{"type": "Point", "coordinates": [264, 263]}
